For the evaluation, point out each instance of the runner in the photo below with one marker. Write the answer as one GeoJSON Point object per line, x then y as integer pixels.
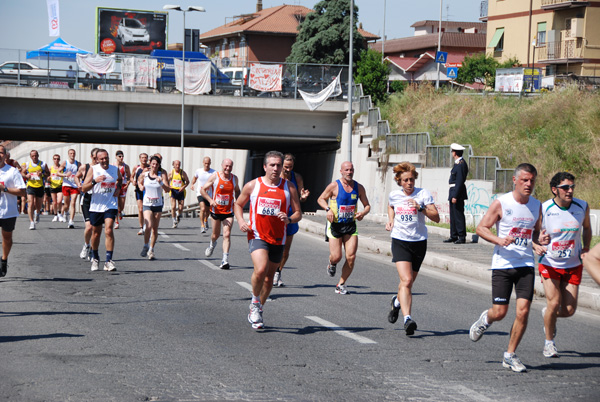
{"type": "Point", "coordinates": [407, 210]}
{"type": "Point", "coordinates": [56, 182]}
{"type": "Point", "coordinates": [563, 219]}
{"type": "Point", "coordinates": [126, 175]}
{"type": "Point", "coordinates": [225, 189]}
{"type": "Point", "coordinates": [287, 173]}
{"type": "Point", "coordinates": [86, 198]}
{"type": "Point", "coordinates": [152, 182]}
{"type": "Point", "coordinates": [34, 173]}
{"type": "Point", "coordinates": [105, 182]}
{"type": "Point", "coordinates": [139, 194]}
{"type": "Point", "coordinates": [517, 216]}
{"type": "Point", "coordinates": [201, 176]}
{"type": "Point", "coordinates": [178, 181]}
{"type": "Point", "coordinates": [270, 197]}
{"type": "Point", "coordinates": [47, 201]}
{"type": "Point", "coordinates": [11, 187]}
{"type": "Point", "coordinates": [71, 187]}
{"type": "Point", "coordinates": [340, 199]}
{"type": "Point", "coordinates": [591, 262]}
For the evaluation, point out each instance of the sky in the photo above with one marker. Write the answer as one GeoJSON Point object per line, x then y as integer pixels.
{"type": "Point", "coordinates": [24, 23]}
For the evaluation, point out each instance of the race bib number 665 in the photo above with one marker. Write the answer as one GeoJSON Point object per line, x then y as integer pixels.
{"type": "Point", "coordinates": [268, 206]}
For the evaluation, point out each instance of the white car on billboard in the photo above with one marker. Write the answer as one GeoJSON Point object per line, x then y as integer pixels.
{"type": "Point", "coordinates": [132, 30]}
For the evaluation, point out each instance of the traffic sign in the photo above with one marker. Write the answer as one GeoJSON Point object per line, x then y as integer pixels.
{"type": "Point", "coordinates": [441, 57]}
{"type": "Point", "coordinates": [452, 72]}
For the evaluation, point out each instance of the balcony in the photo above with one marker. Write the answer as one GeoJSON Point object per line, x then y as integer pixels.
{"type": "Point", "coordinates": [563, 4]}
{"type": "Point", "coordinates": [566, 51]}
{"type": "Point", "coordinates": [483, 11]}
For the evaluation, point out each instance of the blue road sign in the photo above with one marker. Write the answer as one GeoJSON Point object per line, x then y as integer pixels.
{"type": "Point", "coordinates": [441, 57]}
{"type": "Point", "coordinates": [452, 72]}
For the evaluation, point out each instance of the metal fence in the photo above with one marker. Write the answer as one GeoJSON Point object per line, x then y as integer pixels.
{"type": "Point", "coordinates": [483, 167]}
{"type": "Point", "coordinates": [365, 104]}
{"type": "Point", "coordinates": [374, 116]}
{"type": "Point", "coordinates": [504, 182]}
{"type": "Point", "coordinates": [407, 143]}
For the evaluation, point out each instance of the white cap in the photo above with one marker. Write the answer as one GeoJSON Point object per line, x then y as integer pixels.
{"type": "Point", "coordinates": [456, 147]}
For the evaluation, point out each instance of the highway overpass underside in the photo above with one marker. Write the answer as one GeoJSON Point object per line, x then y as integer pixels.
{"type": "Point", "coordinates": [91, 116]}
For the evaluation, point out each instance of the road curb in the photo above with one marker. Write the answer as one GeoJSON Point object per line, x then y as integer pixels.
{"type": "Point", "coordinates": [588, 297]}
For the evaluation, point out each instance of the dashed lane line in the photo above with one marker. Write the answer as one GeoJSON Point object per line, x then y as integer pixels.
{"type": "Point", "coordinates": [179, 246]}
{"type": "Point", "coordinates": [209, 264]}
{"type": "Point", "coordinates": [163, 234]}
{"type": "Point", "coordinates": [339, 330]}
{"type": "Point", "coordinates": [245, 285]}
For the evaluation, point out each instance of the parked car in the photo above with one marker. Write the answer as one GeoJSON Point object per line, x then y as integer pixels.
{"type": "Point", "coordinates": [132, 30]}
{"type": "Point", "coordinates": [30, 74]}
{"type": "Point", "coordinates": [235, 74]}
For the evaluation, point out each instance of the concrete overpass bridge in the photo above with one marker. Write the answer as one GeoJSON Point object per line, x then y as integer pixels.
{"type": "Point", "coordinates": [111, 117]}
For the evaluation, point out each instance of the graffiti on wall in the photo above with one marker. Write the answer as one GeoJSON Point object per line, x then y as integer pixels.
{"type": "Point", "coordinates": [479, 200]}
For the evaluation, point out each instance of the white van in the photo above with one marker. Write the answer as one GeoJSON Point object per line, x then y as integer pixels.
{"type": "Point", "coordinates": [235, 75]}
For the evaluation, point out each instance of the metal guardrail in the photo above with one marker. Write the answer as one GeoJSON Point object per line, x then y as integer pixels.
{"type": "Point", "coordinates": [483, 167]}
{"type": "Point", "coordinates": [566, 49]}
{"type": "Point", "coordinates": [365, 104]}
{"type": "Point", "coordinates": [383, 128]}
{"type": "Point", "coordinates": [504, 182]}
{"type": "Point", "coordinates": [374, 116]}
{"type": "Point", "coordinates": [407, 143]}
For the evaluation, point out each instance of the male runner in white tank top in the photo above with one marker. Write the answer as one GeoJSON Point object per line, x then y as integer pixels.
{"type": "Point", "coordinates": [517, 216]}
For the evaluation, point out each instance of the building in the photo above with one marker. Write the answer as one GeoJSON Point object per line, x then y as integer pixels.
{"type": "Point", "coordinates": [266, 35]}
{"type": "Point", "coordinates": [562, 36]}
{"type": "Point", "coordinates": [413, 58]}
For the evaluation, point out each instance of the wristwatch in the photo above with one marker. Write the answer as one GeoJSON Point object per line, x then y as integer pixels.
{"type": "Point", "coordinates": [327, 209]}
{"type": "Point", "coordinates": [420, 208]}
{"type": "Point", "coordinates": [5, 189]}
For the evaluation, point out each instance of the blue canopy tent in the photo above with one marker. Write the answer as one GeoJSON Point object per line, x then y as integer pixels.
{"type": "Point", "coordinates": [57, 50]}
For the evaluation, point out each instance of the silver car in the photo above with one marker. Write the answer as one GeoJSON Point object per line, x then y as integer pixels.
{"type": "Point", "coordinates": [133, 31]}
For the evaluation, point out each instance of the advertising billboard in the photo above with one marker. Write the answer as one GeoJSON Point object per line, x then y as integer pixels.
{"type": "Point", "coordinates": [130, 31]}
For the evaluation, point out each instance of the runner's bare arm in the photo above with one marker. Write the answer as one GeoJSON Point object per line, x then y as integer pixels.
{"type": "Point", "coordinates": [238, 206]}
{"type": "Point", "coordinates": [493, 215]}
{"type": "Point", "coordinates": [362, 195]}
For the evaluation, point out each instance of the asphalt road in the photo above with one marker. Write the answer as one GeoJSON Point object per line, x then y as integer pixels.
{"type": "Point", "coordinates": [176, 329]}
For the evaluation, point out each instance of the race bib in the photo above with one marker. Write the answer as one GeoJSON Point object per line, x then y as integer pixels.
{"type": "Point", "coordinates": [107, 187]}
{"type": "Point", "coordinates": [561, 249]}
{"type": "Point", "coordinates": [35, 176]}
{"type": "Point", "coordinates": [406, 213]}
{"type": "Point", "coordinates": [222, 199]}
{"type": "Point", "coordinates": [346, 211]}
{"type": "Point", "coordinates": [153, 201]}
{"type": "Point", "coordinates": [268, 206]}
{"type": "Point", "coordinates": [522, 236]}
{"type": "Point", "coordinates": [55, 177]}
{"type": "Point", "coordinates": [177, 183]}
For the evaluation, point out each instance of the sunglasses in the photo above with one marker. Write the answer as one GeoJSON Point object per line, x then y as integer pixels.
{"type": "Point", "coordinates": [56, 159]}
{"type": "Point", "coordinates": [121, 155]}
{"type": "Point", "coordinates": [565, 187]}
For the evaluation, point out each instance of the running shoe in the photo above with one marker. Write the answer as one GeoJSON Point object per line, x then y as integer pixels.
{"type": "Point", "coordinates": [550, 350]}
{"type": "Point", "coordinates": [32, 225]}
{"type": "Point", "coordinates": [151, 255]}
{"type": "Point", "coordinates": [224, 265]}
{"type": "Point", "coordinates": [90, 254]}
{"type": "Point", "coordinates": [255, 316]}
{"type": "Point", "coordinates": [71, 224]}
{"type": "Point", "coordinates": [121, 216]}
{"type": "Point", "coordinates": [209, 250]}
{"type": "Point", "coordinates": [141, 232]}
{"type": "Point", "coordinates": [55, 219]}
{"type": "Point", "coordinates": [85, 251]}
{"type": "Point", "coordinates": [514, 363]}
{"type": "Point", "coordinates": [393, 314]}
{"type": "Point", "coordinates": [3, 268]}
{"type": "Point", "coordinates": [95, 265]}
{"type": "Point", "coordinates": [202, 229]}
{"type": "Point", "coordinates": [110, 266]}
{"type": "Point", "coordinates": [61, 218]}
{"type": "Point", "coordinates": [116, 225]}
{"type": "Point", "coordinates": [341, 289]}
{"type": "Point", "coordinates": [410, 327]}
{"type": "Point", "coordinates": [178, 218]}
{"type": "Point", "coordinates": [276, 278]}
{"type": "Point", "coordinates": [174, 224]}
{"type": "Point", "coordinates": [145, 249]}
{"type": "Point", "coordinates": [544, 321]}
{"type": "Point", "coordinates": [479, 327]}
{"type": "Point", "coordinates": [331, 269]}
{"type": "Point", "coordinates": [37, 218]}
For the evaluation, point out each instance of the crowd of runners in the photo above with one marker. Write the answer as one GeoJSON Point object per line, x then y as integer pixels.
{"type": "Point", "coordinates": [557, 232]}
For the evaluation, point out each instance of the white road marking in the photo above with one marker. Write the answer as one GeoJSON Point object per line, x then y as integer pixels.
{"type": "Point", "coordinates": [162, 234]}
{"type": "Point", "coordinates": [245, 285]}
{"type": "Point", "coordinates": [209, 264]}
{"type": "Point", "coordinates": [340, 331]}
{"type": "Point", "coordinates": [179, 246]}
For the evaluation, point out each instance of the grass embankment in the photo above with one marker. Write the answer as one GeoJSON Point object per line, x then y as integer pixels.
{"type": "Point", "coordinates": [558, 131]}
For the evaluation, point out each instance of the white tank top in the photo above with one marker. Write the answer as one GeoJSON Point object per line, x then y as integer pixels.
{"type": "Point", "coordinates": [70, 169]}
{"type": "Point", "coordinates": [518, 221]}
{"type": "Point", "coordinates": [153, 193]}
{"type": "Point", "coordinates": [564, 228]}
{"type": "Point", "coordinates": [103, 194]}
{"type": "Point", "coordinates": [409, 224]}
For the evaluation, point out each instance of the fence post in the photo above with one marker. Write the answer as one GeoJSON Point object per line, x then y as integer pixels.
{"type": "Point", "coordinates": [296, 86]}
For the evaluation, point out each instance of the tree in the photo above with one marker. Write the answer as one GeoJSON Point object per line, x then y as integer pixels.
{"type": "Point", "coordinates": [482, 68]}
{"type": "Point", "coordinates": [323, 35]}
{"type": "Point", "coordinates": [372, 74]}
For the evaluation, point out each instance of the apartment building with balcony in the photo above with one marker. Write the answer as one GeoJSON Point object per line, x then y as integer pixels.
{"type": "Point", "coordinates": [562, 36]}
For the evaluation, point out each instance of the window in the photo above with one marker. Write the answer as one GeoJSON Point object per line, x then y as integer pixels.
{"type": "Point", "coordinates": [498, 40]}
{"type": "Point", "coordinates": [232, 49]}
{"type": "Point", "coordinates": [541, 34]}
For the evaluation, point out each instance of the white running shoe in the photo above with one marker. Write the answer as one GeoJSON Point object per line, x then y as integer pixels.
{"type": "Point", "coordinates": [55, 219]}
{"type": "Point", "coordinates": [151, 255]}
{"type": "Point", "coordinates": [85, 251]}
{"type": "Point", "coordinates": [255, 316]}
{"type": "Point", "coordinates": [174, 224]}
{"type": "Point", "coordinates": [145, 249]}
{"type": "Point", "coordinates": [550, 350]}
{"type": "Point", "coordinates": [110, 266]}
{"type": "Point", "coordinates": [224, 265]}
{"type": "Point", "coordinates": [116, 225]}
{"type": "Point", "coordinates": [141, 232]}
{"type": "Point", "coordinates": [203, 230]}
{"type": "Point", "coordinates": [341, 289]}
{"type": "Point", "coordinates": [209, 250]}
{"type": "Point", "coordinates": [61, 218]}
{"type": "Point", "coordinates": [71, 224]}
{"type": "Point", "coordinates": [478, 327]}
{"type": "Point", "coordinates": [95, 266]}
{"type": "Point", "coordinates": [544, 321]}
{"type": "Point", "coordinates": [32, 225]}
{"type": "Point", "coordinates": [514, 363]}
{"type": "Point", "coordinates": [276, 278]}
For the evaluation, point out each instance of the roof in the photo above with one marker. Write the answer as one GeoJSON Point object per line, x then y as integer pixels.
{"type": "Point", "coordinates": [449, 39]}
{"type": "Point", "coordinates": [413, 64]}
{"type": "Point", "coordinates": [451, 24]}
{"type": "Point", "coordinates": [282, 20]}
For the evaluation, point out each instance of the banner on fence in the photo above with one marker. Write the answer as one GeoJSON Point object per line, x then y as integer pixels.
{"type": "Point", "coordinates": [266, 77]}
{"type": "Point", "coordinates": [197, 76]}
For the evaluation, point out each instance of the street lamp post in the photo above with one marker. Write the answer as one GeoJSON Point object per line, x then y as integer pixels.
{"type": "Point", "coordinates": [350, 81]}
{"type": "Point", "coordinates": [178, 8]}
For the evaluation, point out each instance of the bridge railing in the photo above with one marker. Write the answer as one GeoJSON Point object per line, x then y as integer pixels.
{"type": "Point", "coordinates": [310, 78]}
